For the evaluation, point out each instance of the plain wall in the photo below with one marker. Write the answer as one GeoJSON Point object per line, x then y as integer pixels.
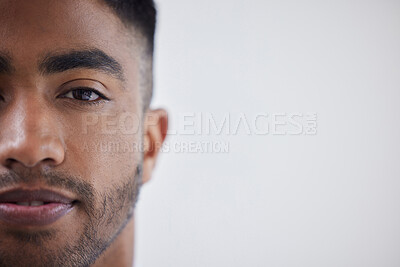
{"type": "Point", "coordinates": [326, 199]}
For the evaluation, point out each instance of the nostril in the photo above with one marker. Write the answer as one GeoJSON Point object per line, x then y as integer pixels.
{"type": "Point", "coordinates": [48, 162]}
{"type": "Point", "coordinates": [33, 150]}
{"type": "Point", "coordinates": [9, 162]}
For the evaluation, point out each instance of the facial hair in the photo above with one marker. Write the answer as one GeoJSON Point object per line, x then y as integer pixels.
{"type": "Point", "coordinates": [107, 215]}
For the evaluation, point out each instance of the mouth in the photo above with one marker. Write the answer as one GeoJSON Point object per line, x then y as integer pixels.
{"type": "Point", "coordinates": [33, 207]}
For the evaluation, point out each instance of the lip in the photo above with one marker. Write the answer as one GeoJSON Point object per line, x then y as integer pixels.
{"type": "Point", "coordinates": [54, 206]}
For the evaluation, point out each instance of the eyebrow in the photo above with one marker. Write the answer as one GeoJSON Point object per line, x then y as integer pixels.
{"type": "Point", "coordinates": [78, 59]}
{"type": "Point", "coordinates": [5, 64]}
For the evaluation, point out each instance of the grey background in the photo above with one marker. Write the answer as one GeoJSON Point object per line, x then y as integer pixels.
{"type": "Point", "coordinates": [331, 199]}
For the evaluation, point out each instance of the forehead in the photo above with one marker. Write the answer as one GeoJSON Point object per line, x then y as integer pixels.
{"type": "Point", "coordinates": [30, 29]}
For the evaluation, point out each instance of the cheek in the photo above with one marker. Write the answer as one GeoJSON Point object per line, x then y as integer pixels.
{"type": "Point", "coordinates": [103, 155]}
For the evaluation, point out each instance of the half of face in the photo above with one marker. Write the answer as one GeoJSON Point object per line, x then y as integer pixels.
{"type": "Point", "coordinates": [75, 143]}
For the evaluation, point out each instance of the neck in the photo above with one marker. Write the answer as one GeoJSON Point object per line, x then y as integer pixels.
{"type": "Point", "coordinates": [120, 252]}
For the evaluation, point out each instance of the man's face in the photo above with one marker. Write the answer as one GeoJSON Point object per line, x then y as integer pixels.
{"type": "Point", "coordinates": [69, 77]}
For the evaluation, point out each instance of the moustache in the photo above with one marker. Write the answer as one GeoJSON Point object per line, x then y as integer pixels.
{"type": "Point", "coordinates": [57, 180]}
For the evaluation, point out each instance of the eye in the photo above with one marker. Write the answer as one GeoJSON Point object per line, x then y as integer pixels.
{"type": "Point", "coordinates": [84, 94]}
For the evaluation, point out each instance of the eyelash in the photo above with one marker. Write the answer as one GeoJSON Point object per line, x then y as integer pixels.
{"type": "Point", "coordinates": [83, 102]}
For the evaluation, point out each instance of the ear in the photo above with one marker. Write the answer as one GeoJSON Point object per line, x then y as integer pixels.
{"type": "Point", "coordinates": [155, 131]}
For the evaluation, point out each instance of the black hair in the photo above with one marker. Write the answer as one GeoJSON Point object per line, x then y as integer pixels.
{"type": "Point", "coordinates": [138, 13]}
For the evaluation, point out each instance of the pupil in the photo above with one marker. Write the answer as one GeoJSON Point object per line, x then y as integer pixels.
{"type": "Point", "coordinates": [82, 94]}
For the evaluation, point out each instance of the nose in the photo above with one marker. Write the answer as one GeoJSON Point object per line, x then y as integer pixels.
{"type": "Point", "coordinates": [30, 135]}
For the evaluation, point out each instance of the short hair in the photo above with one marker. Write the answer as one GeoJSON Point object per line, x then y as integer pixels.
{"type": "Point", "coordinates": [138, 13]}
{"type": "Point", "coordinates": [141, 14]}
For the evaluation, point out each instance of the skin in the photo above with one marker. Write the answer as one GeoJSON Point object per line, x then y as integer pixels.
{"type": "Point", "coordinates": [49, 139]}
